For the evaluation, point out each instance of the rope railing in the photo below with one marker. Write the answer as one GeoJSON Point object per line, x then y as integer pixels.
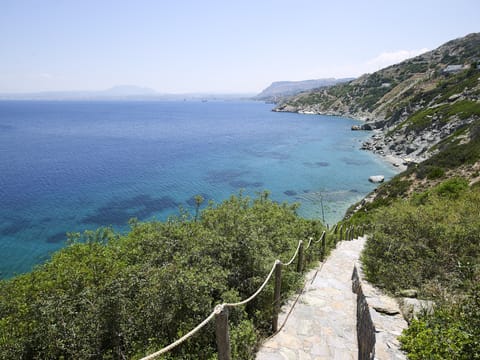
{"type": "Point", "coordinates": [310, 239]}
{"type": "Point", "coordinates": [186, 336]}
{"type": "Point", "coordinates": [256, 292]}
{"type": "Point", "coordinates": [221, 315]}
{"type": "Point", "coordinates": [294, 255]}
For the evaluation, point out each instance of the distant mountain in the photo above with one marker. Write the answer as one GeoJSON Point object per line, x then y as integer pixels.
{"type": "Point", "coordinates": [116, 92]}
{"type": "Point", "coordinates": [282, 89]}
{"type": "Point", "coordinates": [121, 92]}
{"type": "Point", "coordinates": [128, 90]}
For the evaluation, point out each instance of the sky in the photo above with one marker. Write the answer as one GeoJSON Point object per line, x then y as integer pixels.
{"type": "Point", "coordinates": [208, 46]}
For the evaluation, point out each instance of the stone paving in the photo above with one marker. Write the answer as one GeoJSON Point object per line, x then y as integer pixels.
{"type": "Point", "coordinates": [322, 324]}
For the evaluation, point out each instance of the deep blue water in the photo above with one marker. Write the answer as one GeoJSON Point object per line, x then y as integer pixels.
{"type": "Point", "coordinates": [71, 166]}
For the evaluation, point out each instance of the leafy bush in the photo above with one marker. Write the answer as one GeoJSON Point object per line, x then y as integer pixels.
{"type": "Point", "coordinates": [418, 244]}
{"type": "Point", "coordinates": [432, 243]}
{"type": "Point", "coordinates": [108, 296]}
{"type": "Point", "coordinates": [452, 332]}
{"type": "Point", "coordinates": [435, 172]}
{"type": "Point", "coordinates": [452, 187]}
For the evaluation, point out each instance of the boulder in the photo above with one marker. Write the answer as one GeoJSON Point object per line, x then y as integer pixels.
{"type": "Point", "coordinates": [376, 178]}
{"type": "Point", "coordinates": [410, 149]}
{"type": "Point", "coordinates": [411, 308]}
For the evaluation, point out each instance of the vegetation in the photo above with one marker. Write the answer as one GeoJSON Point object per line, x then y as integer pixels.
{"type": "Point", "coordinates": [431, 242]}
{"type": "Point", "coordinates": [427, 218]}
{"type": "Point", "coordinates": [112, 296]}
{"type": "Point", "coordinates": [453, 332]}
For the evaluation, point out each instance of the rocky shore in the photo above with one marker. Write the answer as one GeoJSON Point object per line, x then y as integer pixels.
{"type": "Point", "coordinates": [402, 148]}
{"type": "Point", "coordinates": [396, 145]}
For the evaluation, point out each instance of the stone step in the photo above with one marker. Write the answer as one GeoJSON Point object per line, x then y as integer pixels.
{"type": "Point", "coordinates": [322, 324]}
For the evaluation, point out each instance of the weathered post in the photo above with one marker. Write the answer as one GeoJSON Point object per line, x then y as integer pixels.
{"type": "Point", "coordinates": [222, 335]}
{"type": "Point", "coordinates": [300, 257]}
{"type": "Point", "coordinates": [340, 233]}
{"type": "Point", "coordinates": [323, 245]}
{"type": "Point", "coordinates": [276, 295]}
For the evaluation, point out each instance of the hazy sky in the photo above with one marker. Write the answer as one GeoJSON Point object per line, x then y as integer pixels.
{"type": "Point", "coordinates": [179, 46]}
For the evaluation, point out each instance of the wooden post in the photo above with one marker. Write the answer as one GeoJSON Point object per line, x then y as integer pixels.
{"type": "Point", "coordinates": [300, 258]}
{"type": "Point", "coordinates": [340, 233]}
{"type": "Point", "coordinates": [222, 335]}
{"type": "Point", "coordinates": [276, 295]}
{"type": "Point", "coordinates": [323, 245]}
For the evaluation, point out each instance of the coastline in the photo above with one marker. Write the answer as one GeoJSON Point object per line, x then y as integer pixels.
{"type": "Point", "coordinates": [398, 161]}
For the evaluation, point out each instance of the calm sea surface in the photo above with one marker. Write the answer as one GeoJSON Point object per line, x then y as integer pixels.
{"type": "Point", "coordinates": [72, 166]}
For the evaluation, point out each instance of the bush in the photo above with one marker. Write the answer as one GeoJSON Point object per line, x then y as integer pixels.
{"type": "Point", "coordinates": [435, 172]}
{"type": "Point", "coordinates": [108, 296]}
{"type": "Point", "coordinates": [452, 188]}
{"type": "Point", "coordinates": [429, 239]}
{"type": "Point", "coordinates": [452, 332]}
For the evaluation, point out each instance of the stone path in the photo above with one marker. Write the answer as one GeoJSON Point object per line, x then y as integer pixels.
{"type": "Point", "coordinates": [323, 323]}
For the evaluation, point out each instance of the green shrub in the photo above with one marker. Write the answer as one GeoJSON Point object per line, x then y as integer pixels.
{"type": "Point", "coordinates": [452, 187]}
{"type": "Point", "coordinates": [108, 296]}
{"type": "Point", "coordinates": [435, 172]}
{"type": "Point", "coordinates": [452, 332]}
{"type": "Point", "coordinates": [428, 240]}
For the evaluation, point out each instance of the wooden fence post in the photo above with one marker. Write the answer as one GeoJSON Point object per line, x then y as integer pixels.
{"type": "Point", "coordinates": [340, 233]}
{"type": "Point", "coordinates": [222, 335]}
{"type": "Point", "coordinates": [276, 295]}
{"type": "Point", "coordinates": [300, 258]}
{"type": "Point", "coordinates": [323, 245]}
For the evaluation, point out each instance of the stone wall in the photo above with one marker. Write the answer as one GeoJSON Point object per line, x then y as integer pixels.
{"type": "Point", "coordinates": [379, 321]}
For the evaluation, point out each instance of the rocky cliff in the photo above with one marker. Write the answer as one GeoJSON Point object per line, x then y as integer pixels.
{"type": "Point", "coordinates": [415, 106]}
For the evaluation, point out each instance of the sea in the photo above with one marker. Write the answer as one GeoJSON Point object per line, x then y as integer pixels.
{"type": "Point", "coordinates": [71, 166]}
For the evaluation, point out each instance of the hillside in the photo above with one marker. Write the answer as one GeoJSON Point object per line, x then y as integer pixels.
{"type": "Point", "coordinates": [281, 89]}
{"type": "Point", "coordinates": [425, 239]}
{"type": "Point", "coordinates": [416, 105]}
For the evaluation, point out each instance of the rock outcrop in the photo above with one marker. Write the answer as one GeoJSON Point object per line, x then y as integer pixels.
{"type": "Point", "coordinates": [413, 106]}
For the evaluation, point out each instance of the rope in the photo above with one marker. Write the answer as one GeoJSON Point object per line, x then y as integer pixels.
{"type": "Point", "coordinates": [219, 308]}
{"type": "Point", "coordinates": [321, 237]}
{"type": "Point", "coordinates": [309, 242]}
{"type": "Point", "coordinates": [300, 293]}
{"type": "Point", "coordinates": [294, 255]}
{"type": "Point", "coordinates": [216, 311]}
{"type": "Point", "coordinates": [257, 292]}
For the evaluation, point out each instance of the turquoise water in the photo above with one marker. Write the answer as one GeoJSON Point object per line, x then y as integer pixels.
{"type": "Point", "coordinates": [71, 166]}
